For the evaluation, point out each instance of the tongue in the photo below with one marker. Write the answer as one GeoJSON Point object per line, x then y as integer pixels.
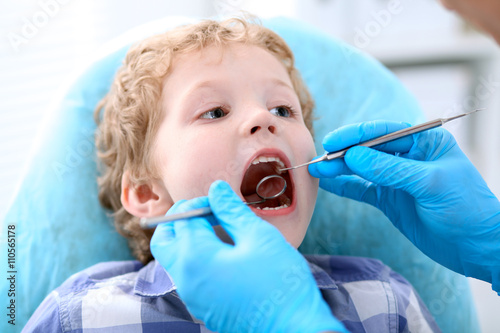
{"type": "Point", "coordinates": [255, 174]}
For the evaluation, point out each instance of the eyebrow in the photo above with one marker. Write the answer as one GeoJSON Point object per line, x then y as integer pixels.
{"type": "Point", "coordinates": [278, 82]}
{"type": "Point", "coordinates": [212, 83]}
{"type": "Point", "coordinates": [192, 90]}
{"type": "Point", "coordinates": [203, 84]}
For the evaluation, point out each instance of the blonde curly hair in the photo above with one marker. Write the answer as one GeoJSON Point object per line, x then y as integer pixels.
{"type": "Point", "coordinates": [128, 117]}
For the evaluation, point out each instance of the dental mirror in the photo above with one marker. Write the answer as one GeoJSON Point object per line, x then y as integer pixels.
{"type": "Point", "coordinates": [269, 196]}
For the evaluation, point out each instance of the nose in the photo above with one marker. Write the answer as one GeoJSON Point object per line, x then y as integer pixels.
{"type": "Point", "coordinates": [260, 122]}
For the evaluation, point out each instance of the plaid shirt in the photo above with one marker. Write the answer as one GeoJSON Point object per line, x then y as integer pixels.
{"type": "Point", "coordinates": [128, 297]}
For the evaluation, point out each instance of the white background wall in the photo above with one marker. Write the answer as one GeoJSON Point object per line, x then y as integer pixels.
{"type": "Point", "coordinates": [434, 53]}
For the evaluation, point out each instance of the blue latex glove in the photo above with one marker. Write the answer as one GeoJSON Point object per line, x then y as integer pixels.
{"type": "Point", "coordinates": [430, 191]}
{"type": "Point", "coordinates": [260, 284]}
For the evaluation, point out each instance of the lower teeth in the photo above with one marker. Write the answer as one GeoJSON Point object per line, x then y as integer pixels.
{"type": "Point", "coordinates": [274, 208]}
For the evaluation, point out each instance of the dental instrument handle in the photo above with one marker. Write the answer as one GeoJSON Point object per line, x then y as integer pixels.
{"type": "Point", "coordinates": [389, 137]}
{"type": "Point", "coordinates": [377, 141]}
{"type": "Point", "coordinates": [151, 222]}
{"type": "Point", "coordinates": [385, 138]}
{"type": "Point", "coordinates": [398, 134]}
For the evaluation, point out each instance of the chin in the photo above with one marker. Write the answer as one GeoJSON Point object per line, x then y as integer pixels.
{"type": "Point", "coordinates": [292, 228]}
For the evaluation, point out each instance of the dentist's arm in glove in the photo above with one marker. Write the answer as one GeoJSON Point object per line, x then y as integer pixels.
{"type": "Point", "coordinates": [427, 187]}
{"type": "Point", "coordinates": [249, 287]}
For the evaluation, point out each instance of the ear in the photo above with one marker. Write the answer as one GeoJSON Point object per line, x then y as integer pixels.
{"type": "Point", "coordinates": [145, 200]}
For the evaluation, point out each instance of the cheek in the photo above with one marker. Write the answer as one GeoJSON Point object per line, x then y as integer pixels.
{"type": "Point", "coordinates": [304, 143]}
{"type": "Point", "coordinates": [304, 150]}
{"type": "Point", "coordinates": [192, 164]}
{"type": "Point", "coordinates": [306, 184]}
{"type": "Point", "coordinates": [312, 183]}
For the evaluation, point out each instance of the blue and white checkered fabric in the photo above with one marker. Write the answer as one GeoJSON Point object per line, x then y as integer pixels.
{"type": "Point", "coordinates": [127, 297]}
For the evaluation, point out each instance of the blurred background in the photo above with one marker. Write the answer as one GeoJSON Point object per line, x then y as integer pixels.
{"type": "Point", "coordinates": [448, 65]}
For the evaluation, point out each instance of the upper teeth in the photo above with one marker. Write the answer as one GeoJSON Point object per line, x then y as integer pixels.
{"type": "Point", "coordinates": [264, 159]}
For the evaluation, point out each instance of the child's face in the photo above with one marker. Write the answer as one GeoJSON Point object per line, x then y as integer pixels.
{"type": "Point", "coordinates": [225, 109]}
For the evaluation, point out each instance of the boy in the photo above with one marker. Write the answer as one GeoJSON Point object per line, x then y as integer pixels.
{"type": "Point", "coordinates": [206, 102]}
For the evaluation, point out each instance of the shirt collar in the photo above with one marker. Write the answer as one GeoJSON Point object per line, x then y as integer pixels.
{"type": "Point", "coordinates": [153, 281]}
{"type": "Point", "coordinates": [323, 279]}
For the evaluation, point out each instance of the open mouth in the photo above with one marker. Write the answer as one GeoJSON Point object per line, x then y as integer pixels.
{"type": "Point", "coordinates": [261, 167]}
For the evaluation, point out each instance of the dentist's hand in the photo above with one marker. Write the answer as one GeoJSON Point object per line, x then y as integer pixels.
{"type": "Point", "coordinates": [430, 191]}
{"type": "Point", "coordinates": [260, 284]}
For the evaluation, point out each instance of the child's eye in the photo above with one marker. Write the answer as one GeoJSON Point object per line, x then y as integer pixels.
{"type": "Point", "coordinates": [213, 114]}
{"type": "Point", "coordinates": [282, 111]}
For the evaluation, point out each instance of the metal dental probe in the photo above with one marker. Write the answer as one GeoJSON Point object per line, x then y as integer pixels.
{"type": "Point", "coordinates": [385, 138]}
{"type": "Point", "coordinates": [151, 222]}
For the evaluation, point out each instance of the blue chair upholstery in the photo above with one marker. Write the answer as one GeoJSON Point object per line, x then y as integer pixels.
{"type": "Point", "coordinates": [61, 228]}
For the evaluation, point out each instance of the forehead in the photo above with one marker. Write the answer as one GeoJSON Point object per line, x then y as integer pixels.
{"type": "Point", "coordinates": [233, 61]}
